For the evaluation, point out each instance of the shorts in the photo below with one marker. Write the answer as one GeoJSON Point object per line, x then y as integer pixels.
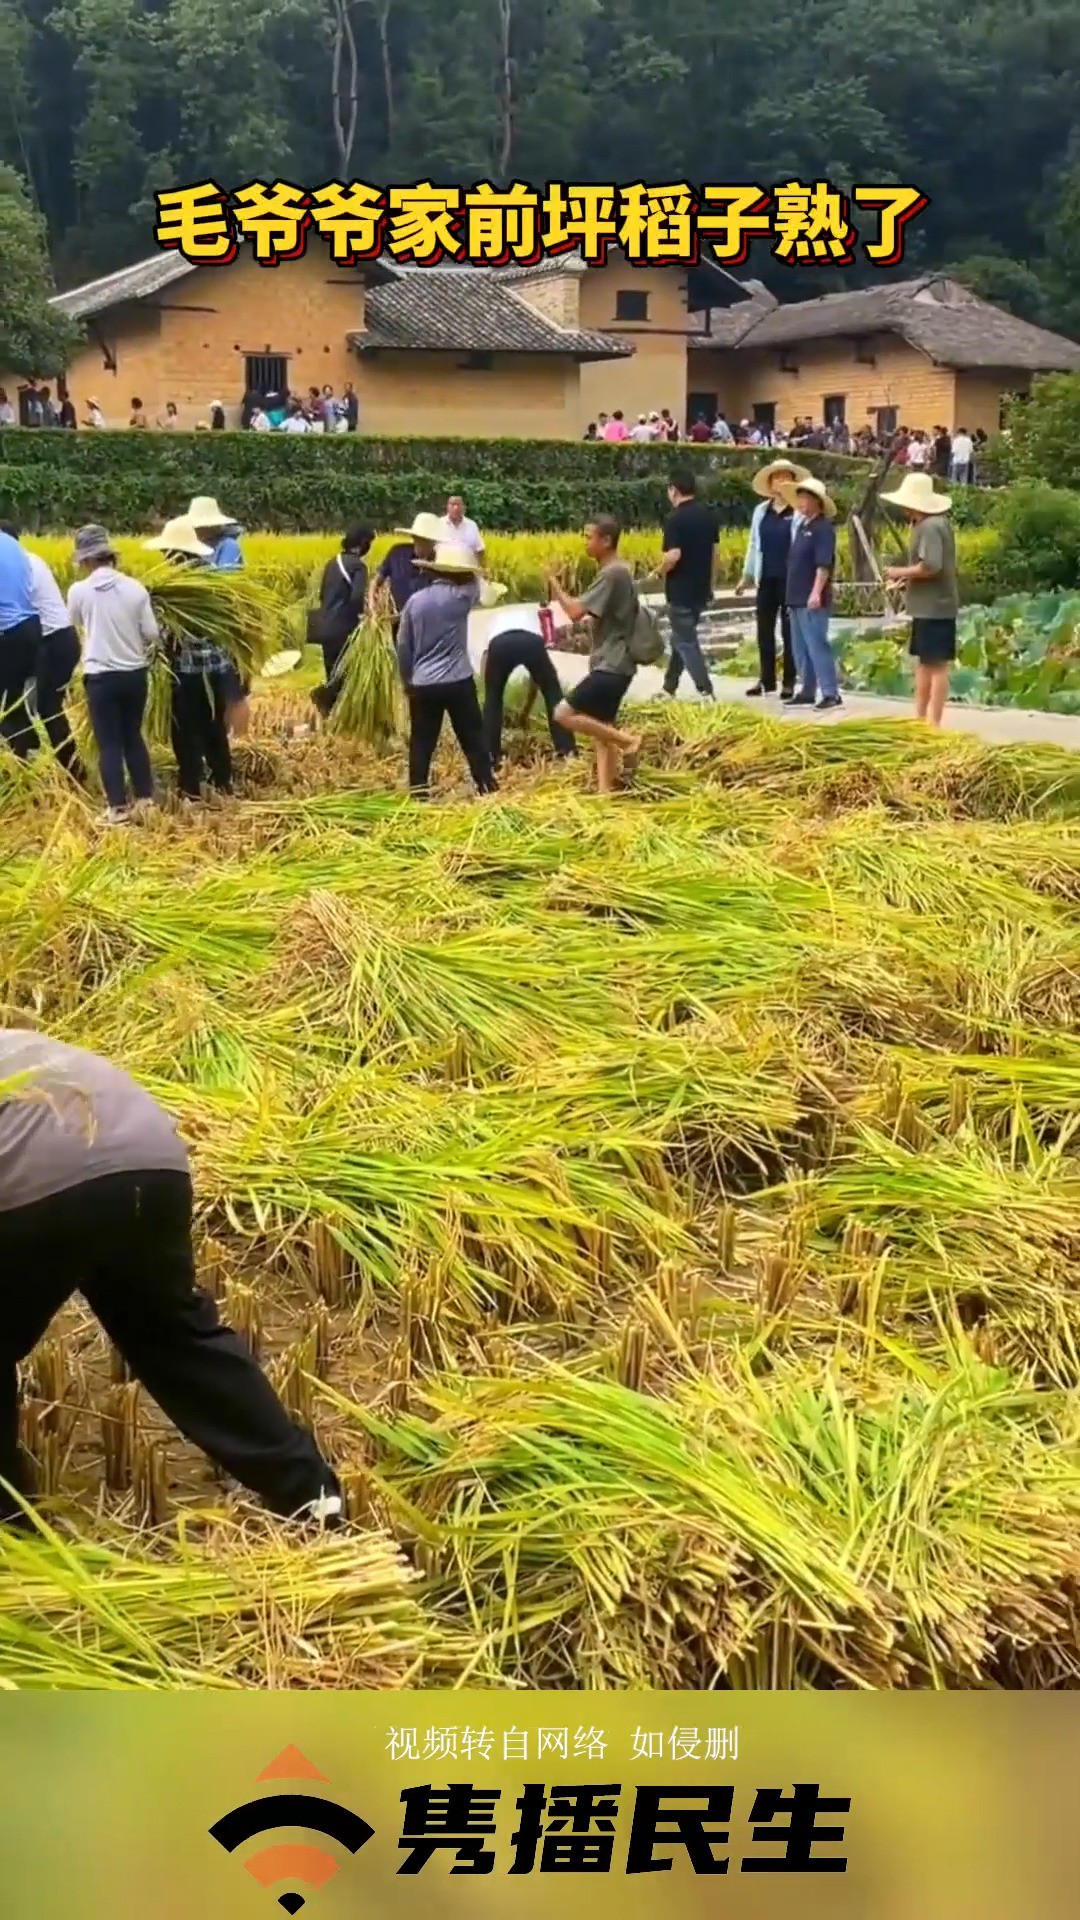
{"type": "Point", "coordinates": [600, 694]}
{"type": "Point", "coordinates": [933, 642]}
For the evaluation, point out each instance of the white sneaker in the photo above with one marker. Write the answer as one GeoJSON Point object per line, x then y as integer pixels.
{"type": "Point", "coordinates": [117, 816]}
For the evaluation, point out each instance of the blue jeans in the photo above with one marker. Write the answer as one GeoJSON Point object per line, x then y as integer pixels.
{"type": "Point", "coordinates": [116, 703]}
{"type": "Point", "coordinates": [813, 654]}
{"type": "Point", "coordinates": [686, 654]}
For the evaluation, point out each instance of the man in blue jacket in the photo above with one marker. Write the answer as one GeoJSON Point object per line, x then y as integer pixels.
{"type": "Point", "coordinates": [20, 639]}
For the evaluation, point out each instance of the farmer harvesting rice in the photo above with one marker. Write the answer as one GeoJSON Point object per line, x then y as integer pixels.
{"type": "Point", "coordinates": [114, 615]}
{"type": "Point", "coordinates": [202, 680]}
{"type": "Point", "coordinates": [342, 599]}
{"type": "Point", "coordinates": [765, 569]}
{"type": "Point", "coordinates": [57, 658]}
{"type": "Point", "coordinates": [95, 1195]}
{"type": "Point", "coordinates": [521, 637]}
{"type": "Point", "coordinates": [436, 672]}
{"type": "Point", "coordinates": [611, 603]}
{"type": "Point", "coordinates": [221, 534]}
{"type": "Point", "coordinates": [400, 574]}
{"type": "Point", "coordinates": [933, 600]}
{"type": "Point", "coordinates": [808, 591]}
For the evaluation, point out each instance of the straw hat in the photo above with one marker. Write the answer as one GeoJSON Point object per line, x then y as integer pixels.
{"type": "Point", "coordinates": [205, 512]}
{"type": "Point", "coordinates": [450, 558]}
{"type": "Point", "coordinates": [426, 526]}
{"type": "Point", "coordinates": [179, 536]}
{"type": "Point", "coordinates": [807, 483]}
{"type": "Point", "coordinates": [760, 481]}
{"type": "Point", "coordinates": [916, 493]}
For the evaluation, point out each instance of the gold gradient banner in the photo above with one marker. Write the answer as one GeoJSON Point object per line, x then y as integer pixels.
{"type": "Point", "coordinates": [961, 1805]}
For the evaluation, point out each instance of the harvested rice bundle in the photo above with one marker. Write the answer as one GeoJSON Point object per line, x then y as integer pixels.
{"type": "Point", "coordinates": [369, 703]}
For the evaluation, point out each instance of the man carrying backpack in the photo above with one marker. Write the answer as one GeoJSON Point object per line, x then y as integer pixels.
{"type": "Point", "coordinates": [626, 637]}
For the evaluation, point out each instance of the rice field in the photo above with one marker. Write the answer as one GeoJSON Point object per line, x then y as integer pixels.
{"type": "Point", "coordinates": [666, 1210]}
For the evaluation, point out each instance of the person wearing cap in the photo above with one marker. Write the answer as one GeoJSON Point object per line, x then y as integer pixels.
{"type": "Point", "coordinates": [808, 591]}
{"type": "Point", "coordinates": [400, 574]}
{"type": "Point", "coordinates": [96, 1196]}
{"type": "Point", "coordinates": [114, 615]}
{"type": "Point", "coordinates": [641, 430]}
{"type": "Point", "coordinates": [929, 580]}
{"type": "Point", "coordinates": [522, 637]}
{"type": "Point", "coordinates": [202, 676]}
{"type": "Point", "coordinates": [57, 658]}
{"type": "Point", "coordinates": [436, 671]}
{"type": "Point", "coordinates": [765, 569]}
{"type": "Point", "coordinates": [342, 599]}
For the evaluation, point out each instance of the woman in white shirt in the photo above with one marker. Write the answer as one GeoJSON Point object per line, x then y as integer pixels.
{"type": "Point", "coordinates": [57, 657]}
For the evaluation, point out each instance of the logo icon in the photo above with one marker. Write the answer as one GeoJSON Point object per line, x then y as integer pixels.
{"type": "Point", "coordinates": [292, 1860]}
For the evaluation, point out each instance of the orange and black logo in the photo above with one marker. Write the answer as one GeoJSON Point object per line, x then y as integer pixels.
{"type": "Point", "coordinates": [298, 1861]}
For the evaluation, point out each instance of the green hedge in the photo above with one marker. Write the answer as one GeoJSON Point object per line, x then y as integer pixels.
{"type": "Point", "coordinates": [132, 481]}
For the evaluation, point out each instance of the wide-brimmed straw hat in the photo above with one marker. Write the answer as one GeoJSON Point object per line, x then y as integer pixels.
{"type": "Point", "coordinates": [450, 558]}
{"type": "Point", "coordinates": [760, 481]}
{"type": "Point", "coordinates": [179, 536]}
{"type": "Point", "coordinates": [205, 512]}
{"type": "Point", "coordinates": [93, 543]}
{"type": "Point", "coordinates": [426, 526]}
{"type": "Point", "coordinates": [917, 494]}
{"type": "Point", "coordinates": [809, 483]}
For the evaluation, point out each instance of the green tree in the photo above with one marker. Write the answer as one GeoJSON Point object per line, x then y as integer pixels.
{"type": "Point", "coordinates": [1008, 283]}
{"type": "Point", "coordinates": [34, 337]}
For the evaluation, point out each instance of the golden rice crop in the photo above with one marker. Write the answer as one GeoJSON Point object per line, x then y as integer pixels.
{"type": "Point", "coordinates": [667, 1209]}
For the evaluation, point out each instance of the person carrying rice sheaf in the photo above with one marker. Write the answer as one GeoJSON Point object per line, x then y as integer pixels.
{"type": "Point", "coordinates": [96, 1196]}
{"type": "Point", "coordinates": [435, 668]}
{"type": "Point", "coordinates": [202, 678]}
{"type": "Point", "coordinates": [221, 534]}
{"type": "Point", "coordinates": [342, 601]}
{"type": "Point", "coordinates": [400, 575]}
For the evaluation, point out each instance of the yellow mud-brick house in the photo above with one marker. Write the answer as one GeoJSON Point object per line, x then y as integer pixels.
{"type": "Point", "coordinates": [913, 353]}
{"type": "Point", "coordinates": [542, 351]}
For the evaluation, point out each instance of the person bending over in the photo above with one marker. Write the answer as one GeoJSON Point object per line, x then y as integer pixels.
{"type": "Point", "coordinates": [517, 638]}
{"type": "Point", "coordinates": [96, 1197]}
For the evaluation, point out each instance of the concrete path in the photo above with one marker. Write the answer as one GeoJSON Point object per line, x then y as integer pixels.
{"type": "Point", "coordinates": [1001, 725]}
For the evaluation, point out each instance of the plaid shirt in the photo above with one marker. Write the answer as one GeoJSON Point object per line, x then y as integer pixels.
{"type": "Point", "coordinates": [201, 656]}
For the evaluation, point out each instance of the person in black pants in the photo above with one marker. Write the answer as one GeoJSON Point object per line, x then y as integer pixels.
{"type": "Point", "coordinates": [199, 720]}
{"type": "Point", "coordinates": [435, 668]}
{"type": "Point", "coordinates": [57, 659]}
{"type": "Point", "coordinates": [342, 600]}
{"type": "Point", "coordinates": [20, 638]}
{"type": "Point", "coordinates": [765, 569]}
{"type": "Point", "coordinates": [520, 645]}
{"type": "Point", "coordinates": [691, 532]}
{"type": "Point", "coordinates": [106, 1208]}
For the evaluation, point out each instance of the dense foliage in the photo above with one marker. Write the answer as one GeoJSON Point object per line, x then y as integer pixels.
{"type": "Point", "coordinates": [106, 100]}
{"type": "Point", "coordinates": [134, 480]}
{"type": "Point", "coordinates": [34, 337]}
{"type": "Point", "coordinates": [1043, 441]}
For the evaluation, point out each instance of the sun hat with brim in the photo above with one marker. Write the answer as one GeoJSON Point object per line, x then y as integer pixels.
{"type": "Point", "coordinates": [760, 481]}
{"type": "Point", "coordinates": [449, 558]}
{"type": "Point", "coordinates": [280, 663]}
{"type": "Point", "coordinates": [917, 494]}
{"type": "Point", "coordinates": [179, 536]}
{"type": "Point", "coordinates": [808, 483]}
{"type": "Point", "coordinates": [93, 543]}
{"type": "Point", "coordinates": [426, 526]}
{"type": "Point", "coordinates": [205, 512]}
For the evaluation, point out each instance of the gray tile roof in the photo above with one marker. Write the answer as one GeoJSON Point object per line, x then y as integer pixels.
{"type": "Point", "coordinates": [938, 316]}
{"type": "Point", "coordinates": [151, 276]}
{"type": "Point", "coordinates": [131, 283]}
{"type": "Point", "coordinates": [470, 310]}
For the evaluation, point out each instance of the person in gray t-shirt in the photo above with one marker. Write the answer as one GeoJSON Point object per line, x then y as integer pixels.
{"type": "Point", "coordinates": [611, 604]}
{"type": "Point", "coordinates": [95, 1195]}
